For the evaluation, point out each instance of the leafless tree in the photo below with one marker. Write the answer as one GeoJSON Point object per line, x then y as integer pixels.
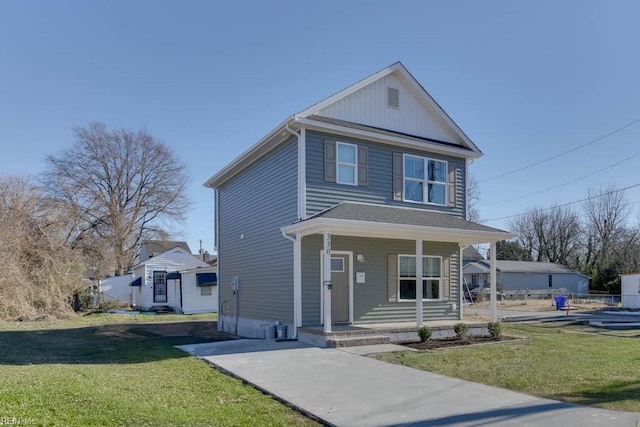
{"type": "Point", "coordinates": [473, 197]}
{"type": "Point", "coordinates": [550, 235]}
{"type": "Point", "coordinates": [121, 185]}
{"type": "Point", "coordinates": [606, 217]}
{"type": "Point", "coordinates": [39, 271]}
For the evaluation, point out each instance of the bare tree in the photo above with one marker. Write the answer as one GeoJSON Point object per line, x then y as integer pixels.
{"type": "Point", "coordinates": [121, 185]}
{"type": "Point", "coordinates": [39, 271]}
{"type": "Point", "coordinates": [551, 235]}
{"type": "Point", "coordinates": [606, 218]}
{"type": "Point", "coordinates": [473, 197]}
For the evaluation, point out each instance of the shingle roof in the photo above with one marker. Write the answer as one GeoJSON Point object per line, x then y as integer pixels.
{"type": "Point", "coordinates": [533, 267]}
{"type": "Point", "coordinates": [155, 247]}
{"type": "Point", "coordinates": [399, 215]}
{"type": "Point", "coordinates": [471, 254]}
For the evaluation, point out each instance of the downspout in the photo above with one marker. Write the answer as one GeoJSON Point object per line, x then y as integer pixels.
{"type": "Point", "coordinates": [301, 213]}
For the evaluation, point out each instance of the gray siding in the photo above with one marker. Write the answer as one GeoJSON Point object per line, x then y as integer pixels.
{"type": "Point", "coordinates": [252, 208]}
{"type": "Point", "coordinates": [370, 299]}
{"type": "Point", "coordinates": [322, 195]}
{"type": "Point", "coordinates": [540, 281]}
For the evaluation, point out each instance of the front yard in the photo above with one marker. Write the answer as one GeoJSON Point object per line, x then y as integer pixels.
{"type": "Point", "coordinates": [123, 370]}
{"type": "Point", "coordinates": [572, 363]}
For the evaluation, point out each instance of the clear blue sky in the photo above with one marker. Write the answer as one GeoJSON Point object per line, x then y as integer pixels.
{"type": "Point", "coordinates": [524, 79]}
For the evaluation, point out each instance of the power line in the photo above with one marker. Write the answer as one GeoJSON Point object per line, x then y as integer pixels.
{"type": "Point", "coordinates": [563, 184]}
{"type": "Point", "coordinates": [597, 196]}
{"type": "Point", "coordinates": [593, 141]}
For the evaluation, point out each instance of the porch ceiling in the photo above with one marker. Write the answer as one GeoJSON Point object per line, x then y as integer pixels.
{"type": "Point", "coordinates": [391, 222]}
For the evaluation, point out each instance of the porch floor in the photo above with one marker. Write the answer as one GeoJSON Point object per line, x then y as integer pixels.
{"type": "Point", "coordinates": [381, 333]}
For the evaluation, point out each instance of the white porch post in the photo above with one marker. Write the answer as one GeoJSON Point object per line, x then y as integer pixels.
{"type": "Point", "coordinates": [297, 283]}
{"type": "Point", "coordinates": [419, 274]}
{"type": "Point", "coordinates": [492, 266]}
{"type": "Point", "coordinates": [326, 285]}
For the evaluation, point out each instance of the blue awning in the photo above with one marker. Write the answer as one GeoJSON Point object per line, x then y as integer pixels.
{"type": "Point", "coordinates": [136, 282]}
{"type": "Point", "coordinates": [206, 279]}
{"type": "Point", "coordinates": [174, 276]}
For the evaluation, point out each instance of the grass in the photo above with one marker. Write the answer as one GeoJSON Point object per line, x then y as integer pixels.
{"type": "Point", "coordinates": [577, 364]}
{"type": "Point", "coordinates": [123, 370]}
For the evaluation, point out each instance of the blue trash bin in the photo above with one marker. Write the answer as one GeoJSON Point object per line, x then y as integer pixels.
{"type": "Point", "coordinates": [561, 302]}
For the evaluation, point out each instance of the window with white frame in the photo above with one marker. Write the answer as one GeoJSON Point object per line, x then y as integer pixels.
{"type": "Point", "coordinates": [431, 277]}
{"type": "Point", "coordinates": [346, 163]}
{"type": "Point", "coordinates": [425, 180]}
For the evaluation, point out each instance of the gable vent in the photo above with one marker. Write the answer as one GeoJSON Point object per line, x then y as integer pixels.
{"type": "Point", "coordinates": [393, 97]}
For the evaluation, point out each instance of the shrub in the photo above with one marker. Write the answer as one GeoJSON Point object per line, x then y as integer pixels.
{"type": "Point", "coordinates": [461, 330]}
{"type": "Point", "coordinates": [424, 333]}
{"type": "Point", "coordinates": [495, 330]}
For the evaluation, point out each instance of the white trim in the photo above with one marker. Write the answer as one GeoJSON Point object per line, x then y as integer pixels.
{"type": "Point", "coordinates": [406, 77]}
{"type": "Point", "coordinates": [397, 141]}
{"type": "Point", "coordinates": [351, 274]}
{"type": "Point", "coordinates": [460, 282]}
{"type": "Point", "coordinates": [440, 290]}
{"type": "Point", "coordinates": [353, 165]}
{"type": "Point", "coordinates": [383, 230]}
{"type": "Point", "coordinates": [425, 181]}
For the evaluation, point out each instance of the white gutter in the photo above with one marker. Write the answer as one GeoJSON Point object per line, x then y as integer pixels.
{"type": "Point", "coordinates": [301, 169]}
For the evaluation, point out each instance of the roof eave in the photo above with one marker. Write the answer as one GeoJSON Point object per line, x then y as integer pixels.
{"type": "Point", "coordinates": [278, 135]}
{"type": "Point", "coordinates": [399, 141]}
{"type": "Point", "coordinates": [393, 231]}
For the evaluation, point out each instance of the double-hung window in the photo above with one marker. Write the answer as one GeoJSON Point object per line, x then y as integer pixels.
{"type": "Point", "coordinates": [425, 180]}
{"type": "Point", "coordinates": [431, 277]}
{"type": "Point", "coordinates": [347, 163]}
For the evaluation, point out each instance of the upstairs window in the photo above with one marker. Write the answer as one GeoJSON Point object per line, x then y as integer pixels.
{"type": "Point", "coordinates": [347, 163]}
{"type": "Point", "coordinates": [425, 180]}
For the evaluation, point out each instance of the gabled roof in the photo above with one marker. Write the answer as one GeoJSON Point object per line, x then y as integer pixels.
{"type": "Point", "coordinates": [314, 118]}
{"type": "Point", "coordinates": [471, 254]}
{"type": "Point", "coordinates": [155, 247]}
{"type": "Point", "coordinates": [384, 221]}
{"type": "Point", "coordinates": [407, 78]}
{"type": "Point", "coordinates": [182, 252]}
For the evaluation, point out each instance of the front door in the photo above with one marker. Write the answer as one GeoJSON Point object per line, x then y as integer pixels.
{"type": "Point", "coordinates": [340, 288]}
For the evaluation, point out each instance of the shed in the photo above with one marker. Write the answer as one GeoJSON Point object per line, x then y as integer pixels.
{"type": "Point", "coordinates": [631, 290]}
{"type": "Point", "coordinates": [200, 290]}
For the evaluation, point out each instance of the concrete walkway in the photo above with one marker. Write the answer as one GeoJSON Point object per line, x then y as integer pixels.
{"type": "Point", "coordinates": [344, 388]}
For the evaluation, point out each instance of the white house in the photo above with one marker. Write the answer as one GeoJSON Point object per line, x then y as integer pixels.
{"type": "Point", "coordinates": [115, 289]}
{"type": "Point", "coordinates": [631, 290]}
{"type": "Point", "coordinates": [200, 290]}
{"type": "Point", "coordinates": [157, 280]}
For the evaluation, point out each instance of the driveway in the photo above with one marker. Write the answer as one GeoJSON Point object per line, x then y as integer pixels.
{"type": "Point", "coordinates": [344, 388]}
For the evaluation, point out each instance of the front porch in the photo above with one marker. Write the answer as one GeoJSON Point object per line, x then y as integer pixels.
{"type": "Point", "coordinates": [382, 333]}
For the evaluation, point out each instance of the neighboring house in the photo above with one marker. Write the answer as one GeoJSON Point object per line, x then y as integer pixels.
{"type": "Point", "coordinates": [528, 275]}
{"type": "Point", "coordinates": [471, 254]}
{"type": "Point", "coordinates": [115, 289]}
{"type": "Point", "coordinates": [156, 282]}
{"type": "Point", "coordinates": [199, 290]}
{"type": "Point", "coordinates": [151, 248]}
{"type": "Point", "coordinates": [322, 220]}
{"type": "Point", "coordinates": [630, 288]}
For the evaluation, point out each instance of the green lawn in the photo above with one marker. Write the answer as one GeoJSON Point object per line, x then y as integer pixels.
{"type": "Point", "coordinates": [115, 370]}
{"type": "Point", "coordinates": [577, 364]}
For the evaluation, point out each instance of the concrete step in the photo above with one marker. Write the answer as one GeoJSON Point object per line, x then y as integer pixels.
{"type": "Point", "coordinates": [355, 340]}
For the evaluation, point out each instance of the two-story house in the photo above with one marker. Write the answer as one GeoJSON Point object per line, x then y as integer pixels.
{"type": "Point", "coordinates": [333, 216]}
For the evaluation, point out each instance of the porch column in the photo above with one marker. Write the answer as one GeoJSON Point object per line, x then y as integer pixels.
{"type": "Point", "coordinates": [419, 274]}
{"type": "Point", "coordinates": [326, 285]}
{"type": "Point", "coordinates": [493, 284]}
{"type": "Point", "coordinates": [297, 283]}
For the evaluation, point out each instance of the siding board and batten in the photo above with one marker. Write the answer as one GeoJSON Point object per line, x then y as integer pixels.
{"type": "Point", "coordinates": [369, 106]}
